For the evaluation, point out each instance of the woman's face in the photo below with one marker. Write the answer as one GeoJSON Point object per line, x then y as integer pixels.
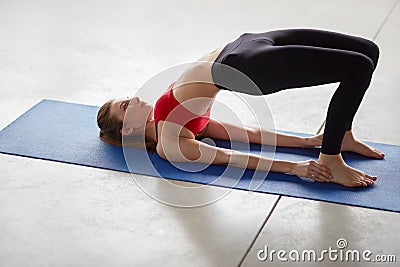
{"type": "Point", "coordinates": [136, 113]}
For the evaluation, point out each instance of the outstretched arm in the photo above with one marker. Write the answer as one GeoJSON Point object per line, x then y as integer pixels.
{"type": "Point", "coordinates": [226, 131]}
{"type": "Point", "coordinates": [182, 149]}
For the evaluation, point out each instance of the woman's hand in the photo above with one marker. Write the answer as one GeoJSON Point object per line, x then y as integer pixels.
{"type": "Point", "coordinates": [312, 141]}
{"type": "Point", "coordinates": [312, 169]}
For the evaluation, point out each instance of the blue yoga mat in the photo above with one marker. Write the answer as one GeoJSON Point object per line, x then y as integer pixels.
{"type": "Point", "coordinates": [67, 132]}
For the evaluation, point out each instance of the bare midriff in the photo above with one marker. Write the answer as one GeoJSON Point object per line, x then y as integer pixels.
{"type": "Point", "coordinates": [196, 82]}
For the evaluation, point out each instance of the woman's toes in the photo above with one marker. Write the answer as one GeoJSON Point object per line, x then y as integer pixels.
{"type": "Point", "coordinates": [380, 153]}
{"type": "Point", "coordinates": [369, 181]}
{"type": "Point", "coordinates": [361, 183]}
{"type": "Point", "coordinates": [366, 150]}
{"type": "Point", "coordinates": [374, 153]}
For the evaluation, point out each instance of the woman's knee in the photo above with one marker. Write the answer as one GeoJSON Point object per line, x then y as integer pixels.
{"type": "Point", "coordinates": [360, 69]}
{"type": "Point", "coordinates": [363, 63]}
{"type": "Point", "coordinates": [376, 52]}
{"type": "Point", "coordinates": [373, 51]}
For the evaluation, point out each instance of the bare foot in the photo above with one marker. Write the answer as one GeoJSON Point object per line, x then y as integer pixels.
{"type": "Point", "coordinates": [344, 174]}
{"type": "Point", "coordinates": [351, 144]}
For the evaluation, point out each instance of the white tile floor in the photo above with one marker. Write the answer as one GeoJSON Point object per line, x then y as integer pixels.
{"type": "Point", "coordinates": [54, 214]}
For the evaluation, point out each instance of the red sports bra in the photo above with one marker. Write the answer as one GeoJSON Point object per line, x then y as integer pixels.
{"type": "Point", "coordinates": [167, 103]}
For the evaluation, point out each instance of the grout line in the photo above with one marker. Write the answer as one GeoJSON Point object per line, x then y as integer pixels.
{"type": "Point", "coordinates": [322, 126]}
{"type": "Point", "coordinates": [259, 231]}
{"type": "Point", "coordinates": [384, 21]}
{"type": "Point", "coordinates": [373, 39]}
{"type": "Point", "coordinates": [319, 130]}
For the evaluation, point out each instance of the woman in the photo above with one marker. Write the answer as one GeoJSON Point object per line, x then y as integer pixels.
{"type": "Point", "coordinates": [274, 61]}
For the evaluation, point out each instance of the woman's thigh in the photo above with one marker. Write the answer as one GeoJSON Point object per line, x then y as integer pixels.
{"type": "Point", "coordinates": [274, 68]}
{"type": "Point", "coordinates": [321, 38]}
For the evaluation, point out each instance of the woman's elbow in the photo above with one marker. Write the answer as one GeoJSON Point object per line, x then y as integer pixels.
{"type": "Point", "coordinates": [160, 151]}
{"type": "Point", "coordinates": [177, 154]}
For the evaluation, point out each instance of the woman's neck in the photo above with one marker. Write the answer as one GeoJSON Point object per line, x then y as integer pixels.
{"type": "Point", "coordinates": [151, 131]}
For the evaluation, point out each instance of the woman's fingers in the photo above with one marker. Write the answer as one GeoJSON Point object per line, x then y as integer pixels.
{"type": "Point", "coordinates": [320, 172]}
{"type": "Point", "coordinates": [315, 175]}
{"type": "Point", "coordinates": [321, 169]}
{"type": "Point", "coordinates": [317, 140]}
{"type": "Point", "coordinates": [313, 141]}
{"type": "Point", "coordinates": [312, 169]}
{"type": "Point", "coordinates": [318, 177]}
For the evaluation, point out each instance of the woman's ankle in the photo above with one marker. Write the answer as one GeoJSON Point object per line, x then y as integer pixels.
{"type": "Point", "coordinates": [327, 158]}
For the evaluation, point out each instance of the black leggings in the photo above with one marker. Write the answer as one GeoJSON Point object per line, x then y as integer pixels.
{"type": "Point", "coordinates": [294, 58]}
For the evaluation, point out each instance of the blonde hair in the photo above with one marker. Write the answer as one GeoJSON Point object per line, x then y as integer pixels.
{"type": "Point", "coordinates": [110, 131]}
